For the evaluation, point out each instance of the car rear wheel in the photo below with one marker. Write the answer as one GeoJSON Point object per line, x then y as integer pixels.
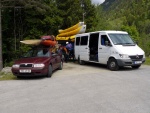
{"type": "Point", "coordinates": [49, 74]}
{"type": "Point", "coordinates": [60, 65]}
{"type": "Point", "coordinates": [112, 64]}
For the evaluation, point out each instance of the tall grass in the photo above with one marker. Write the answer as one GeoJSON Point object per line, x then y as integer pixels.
{"type": "Point", "coordinates": [147, 62]}
{"type": "Point", "coordinates": [7, 76]}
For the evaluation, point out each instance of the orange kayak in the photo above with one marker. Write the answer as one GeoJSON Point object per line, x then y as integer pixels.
{"type": "Point", "coordinates": [49, 42]}
{"type": "Point", "coordinates": [48, 37]}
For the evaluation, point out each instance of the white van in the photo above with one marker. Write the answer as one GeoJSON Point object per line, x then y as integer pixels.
{"type": "Point", "coordinates": [113, 48]}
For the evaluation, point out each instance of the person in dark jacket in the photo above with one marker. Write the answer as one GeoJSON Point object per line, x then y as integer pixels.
{"type": "Point", "coordinates": [63, 50]}
{"type": "Point", "coordinates": [70, 48]}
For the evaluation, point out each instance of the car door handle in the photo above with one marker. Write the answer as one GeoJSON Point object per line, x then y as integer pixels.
{"type": "Point", "coordinates": [100, 48]}
{"type": "Point", "coordinates": [86, 48]}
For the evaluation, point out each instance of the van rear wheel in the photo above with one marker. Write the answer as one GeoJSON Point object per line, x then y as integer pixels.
{"type": "Point", "coordinates": [80, 61]}
{"type": "Point", "coordinates": [60, 65]}
{"type": "Point", "coordinates": [112, 64]}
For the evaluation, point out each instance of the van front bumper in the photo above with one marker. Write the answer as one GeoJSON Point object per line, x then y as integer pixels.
{"type": "Point", "coordinates": [129, 62]}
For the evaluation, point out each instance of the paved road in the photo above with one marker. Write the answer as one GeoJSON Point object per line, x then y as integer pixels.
{"type": "Point", "coordinates": [79, 89]}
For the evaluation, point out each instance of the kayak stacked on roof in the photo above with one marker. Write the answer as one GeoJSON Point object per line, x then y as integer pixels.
{"type": "Point", "coordinates": [48, 40]}
{"type": "Point", "coordinates": [45, 40]}
{"type": "Point", "coordinates": [69, 33]}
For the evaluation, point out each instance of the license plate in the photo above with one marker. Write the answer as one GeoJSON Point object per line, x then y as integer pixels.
{"type": "Point", "coordinates": [137, 62]}
{"type": "Point", "coordinates": [25, 70]}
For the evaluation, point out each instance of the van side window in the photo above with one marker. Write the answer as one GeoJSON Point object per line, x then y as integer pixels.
{"type": "Point", "coordinates": [104, 38]}
{"type": "Point", "coordinates": [84, 40]}
{"type": "Point", "coordinates": [77, 40]}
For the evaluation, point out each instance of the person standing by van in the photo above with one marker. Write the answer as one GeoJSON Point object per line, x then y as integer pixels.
{"type": "Point", "coordinates": [62, 50]}
{"type": "Point", "coordinates": [70, 48]}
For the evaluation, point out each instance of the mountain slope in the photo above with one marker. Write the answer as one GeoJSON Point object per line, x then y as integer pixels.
{"type": "Point", "coordinates": [130, 15]}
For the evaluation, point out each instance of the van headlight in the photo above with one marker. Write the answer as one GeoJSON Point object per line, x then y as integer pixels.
{"type": "Point", "coordinates": [15, 66]}
{"type": "Point", "coordinates": [124, 56]}
{"type": "Point", "coordinates": [144, 55]}
{"type": "Point", "coordinates": [38, 65]}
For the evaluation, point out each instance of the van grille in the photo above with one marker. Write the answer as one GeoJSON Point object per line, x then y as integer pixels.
{"type": "Point", "coordinates": [25, 65]}
{"type": "Point", "coordinates": [136, 57]}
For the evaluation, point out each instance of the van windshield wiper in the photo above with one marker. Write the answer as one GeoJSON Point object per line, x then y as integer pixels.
{"type": "Point", "coordinates": [125, 44]}
{"type": "Point", "coordinates": [119, 43]}
{"type": "Point", "coordinates": [129, 44]}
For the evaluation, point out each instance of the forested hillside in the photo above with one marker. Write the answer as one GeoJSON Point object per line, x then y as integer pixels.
{"type": "Point", "coordinates": [132, 16]}
{"type": "Point", "coordinates": [30, 19]}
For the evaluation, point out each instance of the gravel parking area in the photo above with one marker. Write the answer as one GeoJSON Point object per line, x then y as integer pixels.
{"type": "Point", "coordinates": [89, 88]}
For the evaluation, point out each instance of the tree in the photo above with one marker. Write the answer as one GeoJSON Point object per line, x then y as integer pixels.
{"type": "Point", "coordinates": [1, 61]}
{"type": "Point", "coordinates": [28, 19]}
{"type": "Point", "coordinates": [6, 3]}
{"type": "Point", "coordinates": [74, 11]}
{"type": "Point", "coordinates": [132, 16]}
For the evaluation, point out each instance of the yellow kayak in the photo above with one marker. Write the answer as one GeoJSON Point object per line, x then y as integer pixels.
{"type": "Point", "coordinates": [65, 38]}
{"type": "Point", "coordinates": [79, 30]}
{"type": "Point", "coordinates": [72, 28]}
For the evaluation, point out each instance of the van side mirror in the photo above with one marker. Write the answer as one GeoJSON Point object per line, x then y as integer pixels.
{"type": "Point", "coordinates": [137, 42]}
{"type": "Point", "coordinates": [107, 43]}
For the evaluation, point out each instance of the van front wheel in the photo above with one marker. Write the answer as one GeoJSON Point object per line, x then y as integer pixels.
{"type": "Point", "coordinates": [112, 64]}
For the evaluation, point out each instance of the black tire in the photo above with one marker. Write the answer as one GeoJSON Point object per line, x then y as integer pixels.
{"type": "Point", "coordinates": [60, 65]}
{"type": "Point", "coordinates": [112, 64]}
{"type": "Point", "coordinates": [49, 74]}
{"type": "Point", "coordinates": [19, 77]}
{"type": "Point", "coordinates": [136, 67]}
{"type": "Point", "coordinates": [81, 62]}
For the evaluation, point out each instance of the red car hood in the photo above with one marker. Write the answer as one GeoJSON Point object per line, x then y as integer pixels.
{"type": "Point", "coordinates": [32, 60]}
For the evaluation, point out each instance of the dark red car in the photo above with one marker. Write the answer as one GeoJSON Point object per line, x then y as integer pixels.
{"type": "Point", "coordinates": [37, 62]}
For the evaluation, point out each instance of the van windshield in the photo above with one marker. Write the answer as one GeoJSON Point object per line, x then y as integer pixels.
{"type": "Point", "coordinates": [121, 39]}
{"type": "Point", "coordinates": [37, 53]}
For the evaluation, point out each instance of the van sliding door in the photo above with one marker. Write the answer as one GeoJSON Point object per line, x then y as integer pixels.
{"type": "Point", "coordinates": [93, 45]}
{"type": "Point", "coordinates": [84, 48]}
{"type": "Point", "coordinates": [77, 47]}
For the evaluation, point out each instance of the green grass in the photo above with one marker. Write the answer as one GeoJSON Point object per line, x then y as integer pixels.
{"type": "Point", "coordinates": [7, 76]}
{"type": "Point", "coordinates": [147, 62]}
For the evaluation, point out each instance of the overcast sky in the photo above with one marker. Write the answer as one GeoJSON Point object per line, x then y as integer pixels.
{"type": "Point", "coordinates": [97, 1]}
